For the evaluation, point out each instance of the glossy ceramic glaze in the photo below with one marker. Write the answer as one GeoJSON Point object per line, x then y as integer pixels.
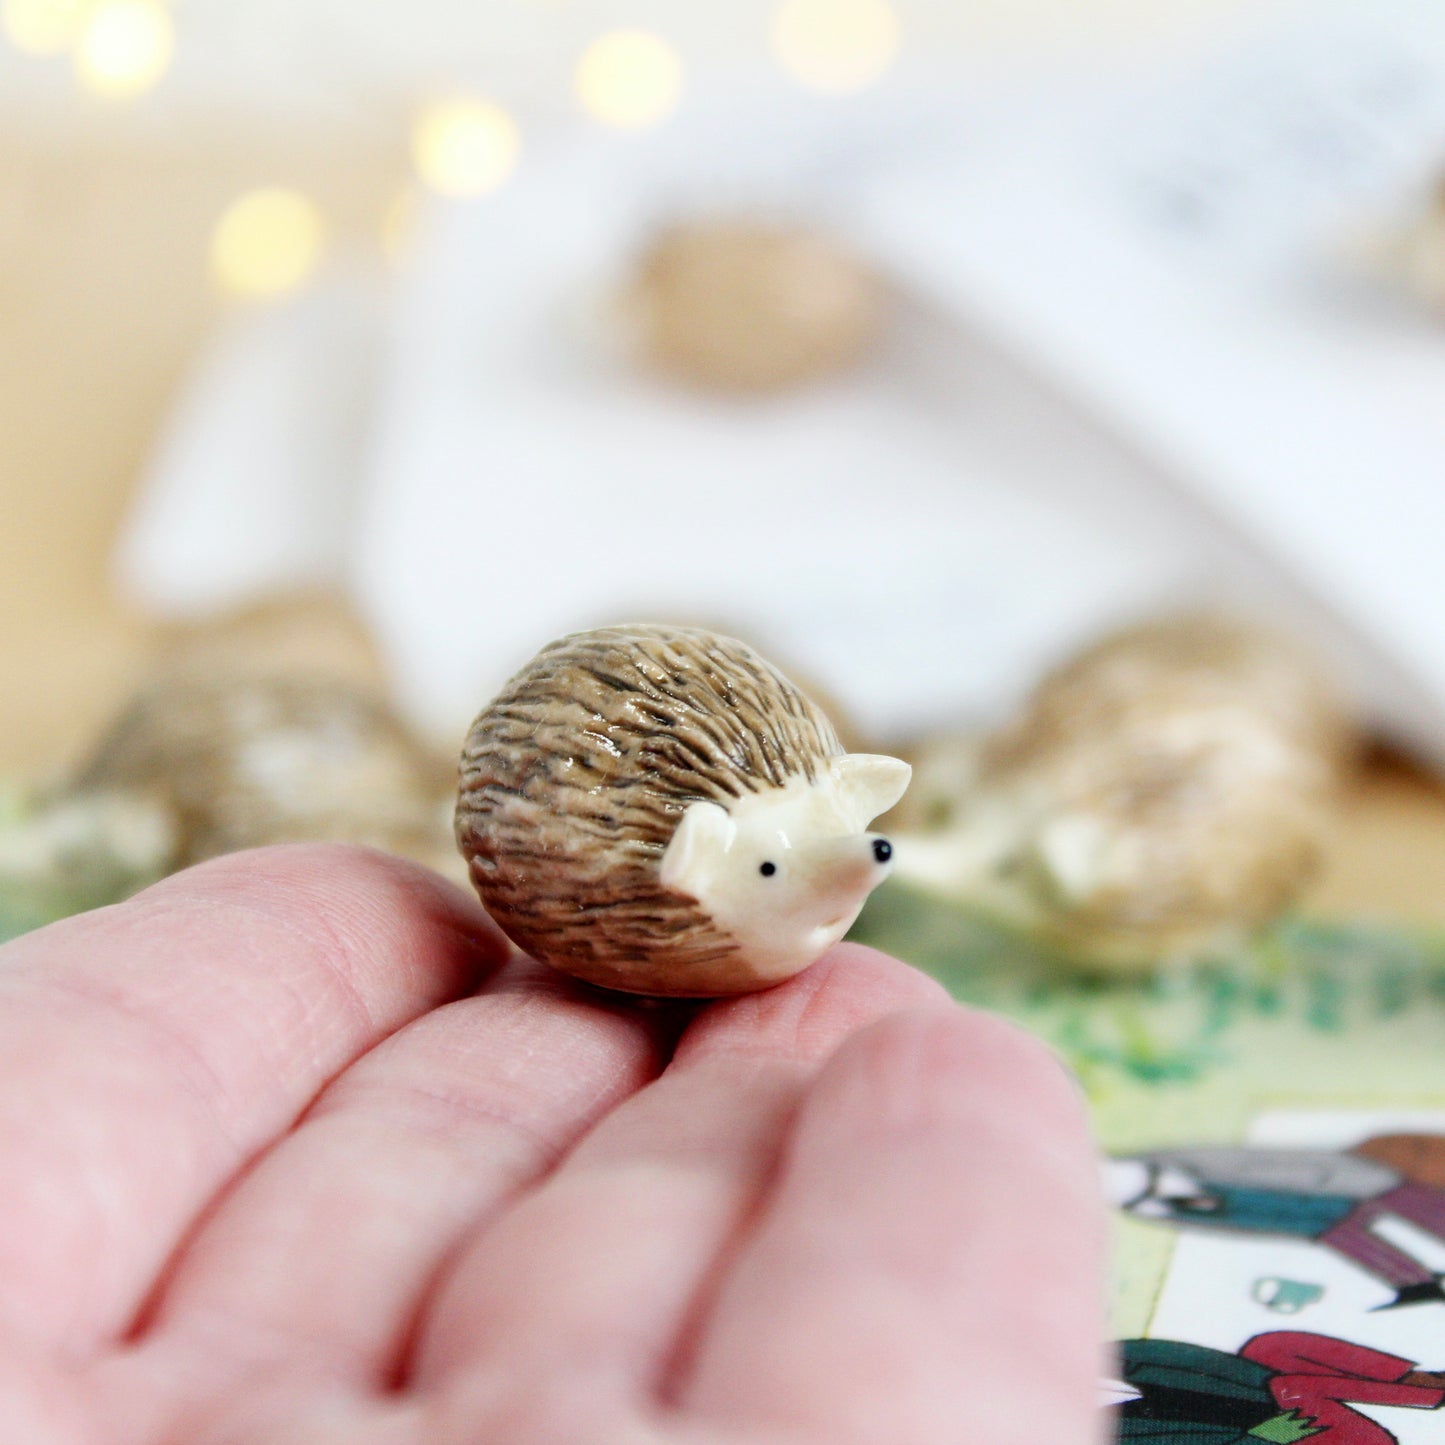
{"type": "Point", "coordinates": [659, 810]}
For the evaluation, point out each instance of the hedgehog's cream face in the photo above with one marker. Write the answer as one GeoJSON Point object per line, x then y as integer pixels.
{"type": "Point", "coordinates": [785, 871]}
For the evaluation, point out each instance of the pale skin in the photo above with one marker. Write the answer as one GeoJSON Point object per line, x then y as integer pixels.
{"type": "Point", "coordinates": [294, 1152]}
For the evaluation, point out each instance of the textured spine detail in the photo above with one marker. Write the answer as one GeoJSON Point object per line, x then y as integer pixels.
{"type": "Point", "coordinates": [574, 779]}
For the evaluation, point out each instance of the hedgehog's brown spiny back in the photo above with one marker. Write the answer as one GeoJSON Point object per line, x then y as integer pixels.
{"type": "Point", "coordinates": [574, 779]}
{"type": "Point", "coordinates": [243, 757]}
{"type": "Point", "coordinates": [1187, 664]}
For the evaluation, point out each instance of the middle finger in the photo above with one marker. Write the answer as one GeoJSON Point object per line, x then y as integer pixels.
{"type": "Point", "coordinates": [587, 1285]}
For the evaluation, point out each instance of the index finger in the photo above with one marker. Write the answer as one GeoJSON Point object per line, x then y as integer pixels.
{"type": "Point", "coordinates": [151, 1049]}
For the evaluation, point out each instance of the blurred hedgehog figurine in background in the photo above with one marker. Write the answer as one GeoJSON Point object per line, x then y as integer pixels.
{"type": "Point", "coordinates": [270, 724]}
{"type": "Point", "coordinates": [658, 810]}
{"type": "Point", "coordinates": [750, 307]}
{"type": "Point", "coordinates": [237, 759]}
{"type": "Point", "coordinates": [1163, 795]}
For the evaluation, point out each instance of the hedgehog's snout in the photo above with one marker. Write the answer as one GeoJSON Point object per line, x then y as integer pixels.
{"type": "Point", "coordinates": [866, 856]}
{"type": "Point", "coordinates": [878, 853]}
{"type": "Point", "coordinates": [844, 870]}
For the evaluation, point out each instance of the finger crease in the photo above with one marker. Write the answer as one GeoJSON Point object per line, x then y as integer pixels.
{"type": "Point", "coordinates": [198, 1078]}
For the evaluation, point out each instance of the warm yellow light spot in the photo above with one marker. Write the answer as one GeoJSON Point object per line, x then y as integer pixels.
{"type": "Point", "coordinates": [629, 78]}
{"type": "Point", "coordinates": [44, 27]}
{"type": "Point", "coordinates": [465, 146]}
{"type": "Point", "coordinates": [835, 46]}
{"type": "Point", "coordinates": [267, 242]}
{"type": "Point", "coordinates": [126, 46]}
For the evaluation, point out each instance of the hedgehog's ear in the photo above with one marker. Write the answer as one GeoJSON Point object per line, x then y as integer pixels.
{"type": "Point", "coordinates": [702, 838]}
{"type": "Point", "coordinates": [869, 784]}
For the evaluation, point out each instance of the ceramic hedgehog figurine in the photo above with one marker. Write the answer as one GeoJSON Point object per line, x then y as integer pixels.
{"type": "Point", "coordinates": [239, 758]}
{"type": "Point", "coordinates": [751, 308]}
{"type": "Point", "coordinates": [658, 810]}
{"type": "Point", "coordinates": [206, 759]}
{"type": "Point", "coordinates": [1163, 794]}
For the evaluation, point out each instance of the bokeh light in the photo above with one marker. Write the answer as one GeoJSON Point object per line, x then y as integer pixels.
{"type": "Point", "coordinates": [43, 27]}
{"type": "Point", "coordinates": [267, 242]}
{"type": "Point", "coordinates": [465, 146]}
{"type": "Point", "coordinates": [629, 78]}
{"type": "Point", "coordinates": [835, 46]}
{"type": "Point", "coordinates": [126, 46]}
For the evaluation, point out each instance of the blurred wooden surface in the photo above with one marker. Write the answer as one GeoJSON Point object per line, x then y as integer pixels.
{"type": "Point", "coordinates": [104, 298]}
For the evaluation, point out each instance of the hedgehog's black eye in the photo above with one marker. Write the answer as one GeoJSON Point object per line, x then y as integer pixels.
{"type": "Point", "coordinates": [768, 869]}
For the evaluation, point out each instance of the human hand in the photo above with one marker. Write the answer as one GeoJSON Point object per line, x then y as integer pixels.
{"type": "Point", "coordinates": [293, 1153]}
